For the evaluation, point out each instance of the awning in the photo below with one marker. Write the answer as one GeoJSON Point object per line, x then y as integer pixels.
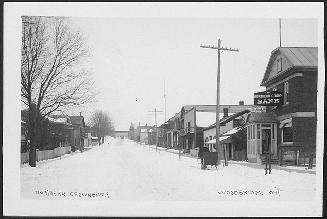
{"type": "Point", "coordinates": [222, 139]}
{"type": "Point", "coordinates": [285, 123]}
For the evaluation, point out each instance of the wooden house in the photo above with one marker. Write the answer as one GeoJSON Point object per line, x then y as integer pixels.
{"type": "Point", "coordinates": [78, 132]}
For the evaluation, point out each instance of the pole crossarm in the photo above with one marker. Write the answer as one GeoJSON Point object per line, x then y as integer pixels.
{"type": "Point", "coordinates": [221, 48]}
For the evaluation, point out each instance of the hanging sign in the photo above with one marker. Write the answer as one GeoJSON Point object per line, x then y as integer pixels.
{"type": "Point", "coordinates": [268, 98]}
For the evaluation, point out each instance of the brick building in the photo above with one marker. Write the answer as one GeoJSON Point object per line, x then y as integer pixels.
{"type": "Point", "coordinates": [288, 129]}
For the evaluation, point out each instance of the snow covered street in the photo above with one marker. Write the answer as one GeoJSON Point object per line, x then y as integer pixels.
{"type": "Point", "coordinates": [123, 170]}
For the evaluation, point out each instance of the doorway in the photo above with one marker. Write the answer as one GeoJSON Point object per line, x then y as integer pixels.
{"type": "Point", "coordinates": [266, 140]}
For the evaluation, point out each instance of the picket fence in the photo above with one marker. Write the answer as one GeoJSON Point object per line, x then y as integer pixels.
{"type": "Point", "coordinates": [47, 154]}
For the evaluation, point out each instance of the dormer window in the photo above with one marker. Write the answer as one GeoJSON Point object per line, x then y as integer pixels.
{"type": "Point", "coordinates": [279, 65]}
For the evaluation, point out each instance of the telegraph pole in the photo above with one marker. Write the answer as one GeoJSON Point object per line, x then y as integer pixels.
{"type": "Point", "coordinates": [155, 119]}
{"type": "Point", "coordinates": [219, 49]}
{"type": "Point", "coordinates": [165, 100]}
{"type": "Point", "coordinates": [280, 32]}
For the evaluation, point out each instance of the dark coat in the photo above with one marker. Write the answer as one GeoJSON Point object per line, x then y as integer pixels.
{"type": "Point", "coordinates": [202, 150]}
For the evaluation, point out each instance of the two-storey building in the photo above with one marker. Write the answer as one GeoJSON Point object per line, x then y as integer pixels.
{"type": "Point", "coordinates": [288, 130]}
{"type": "Point", "coordinates": [198, 117]}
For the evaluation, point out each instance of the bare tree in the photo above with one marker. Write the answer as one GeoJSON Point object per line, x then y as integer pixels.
{"type": "Point", "coordinates": [51, 77]}
{"type": "Point", "coordinates": [102, 124]}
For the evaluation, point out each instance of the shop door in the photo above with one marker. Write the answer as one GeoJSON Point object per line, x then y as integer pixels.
{"type": "Point", "coordinates": [266, 140]}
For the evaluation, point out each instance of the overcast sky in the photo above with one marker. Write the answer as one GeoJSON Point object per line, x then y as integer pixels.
{"type": "Point", "coordinates": [132, 57]}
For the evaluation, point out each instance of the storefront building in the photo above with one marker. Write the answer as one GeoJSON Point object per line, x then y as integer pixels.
{"type": "Point", "coordinates": [288, 129]}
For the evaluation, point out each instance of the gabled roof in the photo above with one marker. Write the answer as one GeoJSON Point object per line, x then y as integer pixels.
{"type": "Point", "coordinates": [261, 117]}
{"type": "Point", "coordinates": [305, 57]}
{"type": "Point", "coordinates": [228, 119]}
{"type": "Point", "coordinates": [76, 120]}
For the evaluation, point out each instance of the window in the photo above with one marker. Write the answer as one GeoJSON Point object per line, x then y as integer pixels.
{"type": "Point", "coordinates": [286, 92]}
{"type": "Point", "coordinates": [253, 132]}
{"type": "Point", "coordinates": [279, 65]}
{"type": "Point", "coordinates": [210, 137]}
{"type": "Point", "coordinates": [273, 131]}
{"type": "Point", "coordinates": [287, 134]}
{"type": "Point", "coordinates": [258, 131]}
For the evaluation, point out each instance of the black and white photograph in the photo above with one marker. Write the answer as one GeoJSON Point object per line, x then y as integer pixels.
{"type": "Point", "coordinates": [163, 109]}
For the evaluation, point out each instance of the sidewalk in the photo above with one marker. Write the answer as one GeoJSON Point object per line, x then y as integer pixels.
{"type": "Point", "coordinates": [298, 169]}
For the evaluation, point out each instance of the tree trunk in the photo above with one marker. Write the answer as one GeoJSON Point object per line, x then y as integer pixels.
{"type": "Point", "coordinates": [32, 135]}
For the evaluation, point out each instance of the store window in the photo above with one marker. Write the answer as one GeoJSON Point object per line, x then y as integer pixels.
{"type": "Point", "coordinates": [286, 92]}
{"type": "Point", "coordinates": [258, 131]}
{"type": "Point", "coordinates": [287, 134]}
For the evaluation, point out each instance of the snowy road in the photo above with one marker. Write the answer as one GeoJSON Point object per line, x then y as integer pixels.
{"type": "Point", "coordinates": [123, 170]}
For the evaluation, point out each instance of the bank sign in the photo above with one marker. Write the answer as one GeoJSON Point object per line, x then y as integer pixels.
{"type": "Point", "coordinates": [268, 98]}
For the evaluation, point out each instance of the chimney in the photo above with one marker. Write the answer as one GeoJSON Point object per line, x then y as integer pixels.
{"type": "Point", "coordinates": [225, 112]}
{"type": "Point", "coordinates": [241, 102]}
{"type": "Point", "coordinates": [80, 113]}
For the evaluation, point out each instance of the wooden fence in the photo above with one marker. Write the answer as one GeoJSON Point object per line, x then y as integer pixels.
{"type": "Point", "coordinates": [47, 154]}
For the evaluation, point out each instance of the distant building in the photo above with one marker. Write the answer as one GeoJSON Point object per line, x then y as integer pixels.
{"type": "Point", "coordinates": [232, 135]}
{"type": "Point", "coordinates": [201, 116]}
{"type": "Point", "coordinates": [145, 134]}
{"type": "Point", "coordinates": [121, 134]}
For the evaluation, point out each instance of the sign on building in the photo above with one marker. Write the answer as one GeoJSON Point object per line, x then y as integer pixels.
{"type": "Point", "coordinates": [268, 98]}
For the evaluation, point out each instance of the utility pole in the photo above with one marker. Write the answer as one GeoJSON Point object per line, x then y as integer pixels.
{"type": "Point", "coordinates": [194, 139]}
{"type": "Point", "coordinates": [165, 100]}
{"type": "Point", "coordinates": [280, 32]}
{"type": "Point", "coordinates": [155, 120]}
{"type": "Point", "coordinates": [219, 49]}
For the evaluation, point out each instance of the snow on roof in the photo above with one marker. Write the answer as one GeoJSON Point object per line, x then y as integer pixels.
{"type": "Point", "coordinates": [213, 141]}
{"type": "Point", "coordinates": [233, 131]}
{"type": "Point", "coordinates": [57, 120]}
